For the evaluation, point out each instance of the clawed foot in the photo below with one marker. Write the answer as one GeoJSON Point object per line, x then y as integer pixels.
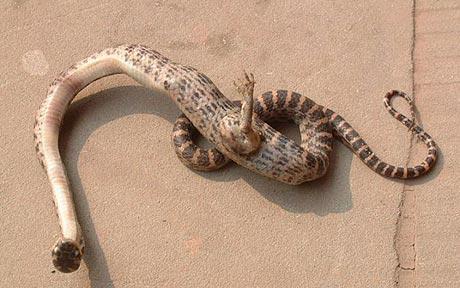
{"type": "Point", "coordinates": [243, 138]}
{"type": "Point", "coordinates": [245, 86]}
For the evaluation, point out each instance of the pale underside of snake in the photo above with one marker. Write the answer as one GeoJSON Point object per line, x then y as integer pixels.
{"type": "Point", "coordinates": [237, 133]}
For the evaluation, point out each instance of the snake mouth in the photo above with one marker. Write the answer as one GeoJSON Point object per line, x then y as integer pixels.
{"type": "Point", "coordinates": [66, 256]}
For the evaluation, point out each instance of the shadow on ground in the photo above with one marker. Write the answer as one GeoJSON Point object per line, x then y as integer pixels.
{"type": "Point", "coordinates": [331, 194]}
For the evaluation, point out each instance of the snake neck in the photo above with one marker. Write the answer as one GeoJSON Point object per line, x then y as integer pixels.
{"type": "Point", "coordinates": [192, 91]}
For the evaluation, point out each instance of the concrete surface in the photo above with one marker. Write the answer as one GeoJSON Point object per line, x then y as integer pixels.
{"type": "Point", "coordinates": [437, 86]}
{"type": "Point", "coordinates": [151, 222]}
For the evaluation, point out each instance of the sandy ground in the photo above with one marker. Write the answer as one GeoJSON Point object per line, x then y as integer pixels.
{"type": "Point", "coordinates": [151, 222]}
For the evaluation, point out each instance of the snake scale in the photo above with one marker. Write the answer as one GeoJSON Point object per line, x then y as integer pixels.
{"type": "Point", "coordinates": [236, 132]}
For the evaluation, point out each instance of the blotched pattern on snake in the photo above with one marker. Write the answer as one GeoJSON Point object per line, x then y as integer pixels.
{"type": "Point", "coordinates": [236, 132]}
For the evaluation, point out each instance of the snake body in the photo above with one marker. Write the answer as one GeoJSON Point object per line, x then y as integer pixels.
{"type": "Point", "coordinates": [283, 104]}
{"type": "Point", "coordinates": [236, 133]}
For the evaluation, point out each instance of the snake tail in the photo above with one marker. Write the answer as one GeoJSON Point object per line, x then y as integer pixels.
{"type": "Point", "coordinates": [351, 138]}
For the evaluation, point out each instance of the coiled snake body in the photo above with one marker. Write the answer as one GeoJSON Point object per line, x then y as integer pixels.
{"type": "Point", "coordinates": [236, 133]}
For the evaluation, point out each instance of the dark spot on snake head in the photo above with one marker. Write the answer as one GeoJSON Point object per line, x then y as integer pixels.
{"type": "Point", "coordinates": [66, 255]}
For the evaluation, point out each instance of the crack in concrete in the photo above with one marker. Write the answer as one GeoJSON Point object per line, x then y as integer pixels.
{"type": "Point", "coordinates": [405, 268]}
{"type": "Point", "coordinates": [404, 238]}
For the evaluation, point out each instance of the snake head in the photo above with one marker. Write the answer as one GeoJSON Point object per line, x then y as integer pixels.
{"type": "Point", "coordinates": [67, 255]}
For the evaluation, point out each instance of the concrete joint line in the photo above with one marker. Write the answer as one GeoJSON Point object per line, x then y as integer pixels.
{"type": "Point", "coordinates": [405, 233]}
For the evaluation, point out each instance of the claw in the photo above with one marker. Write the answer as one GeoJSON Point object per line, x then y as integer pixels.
{"type": "Point", "coordinates": [245, 87]}
{"type": "Point", "coordinates": [244, 138]}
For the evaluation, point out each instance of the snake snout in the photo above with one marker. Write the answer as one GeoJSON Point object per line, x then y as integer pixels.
{"type": "Point", "coordinates": [66, 256]}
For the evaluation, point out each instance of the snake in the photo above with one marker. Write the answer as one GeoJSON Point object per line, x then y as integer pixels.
{"type": "Point", "coordinates": [237, 131]}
